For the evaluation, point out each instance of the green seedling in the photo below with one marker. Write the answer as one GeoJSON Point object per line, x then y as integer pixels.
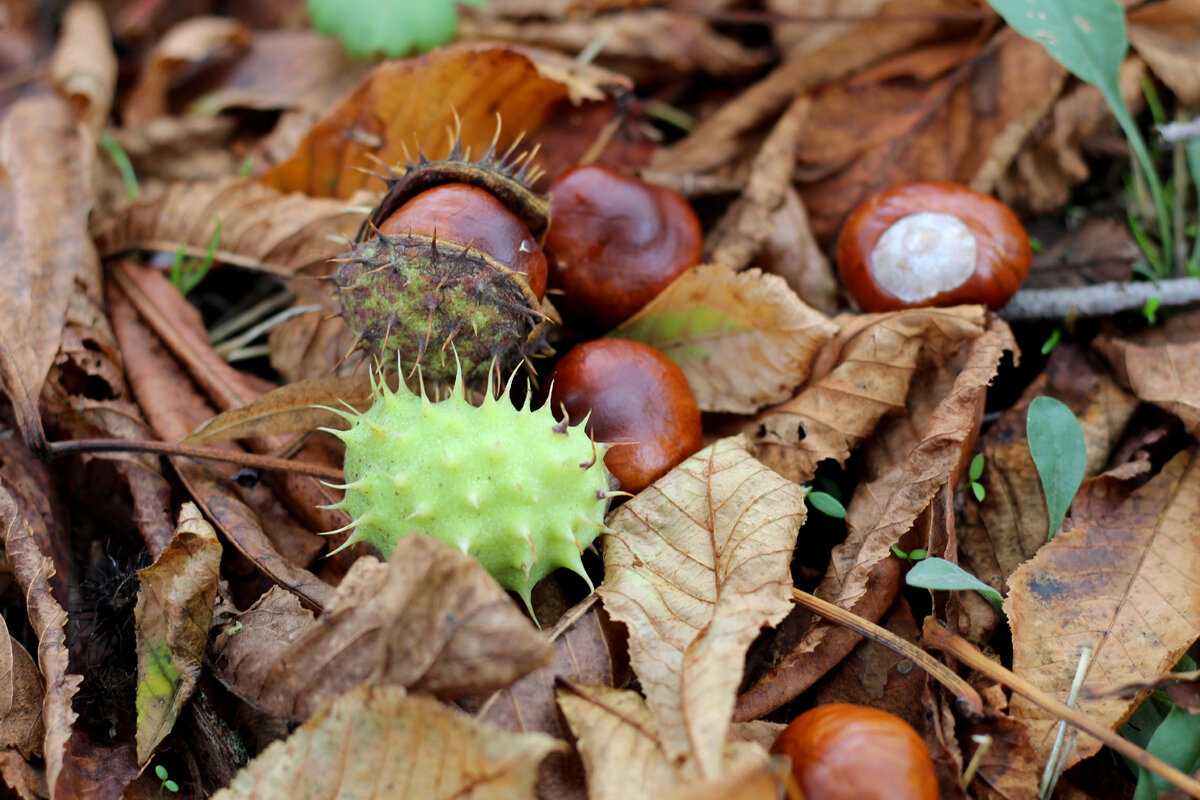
{"type": "Point", "coordinates": [938, 573]}
{"type": "Point", "coordinates": [386, 26]}
{"type": "Point", "coordinates": [1060, 454]}
{"type": "Point", "coordinates": [1052, 341]}
{"type": "Point", "coordinates": [1165, 730]}
{"type": "Point", "coordinates": [186, 273]}
{"type": "Point", "coordinates": [912, 556]}
{"type": "Point", "coordinates": [974, 473]}
{"type": "Point", "coordinates": [1150, 310]}
{"type": "Point", "coordinates": [124, 166]}
{"type": "Point", "coordinates": [165, 782]}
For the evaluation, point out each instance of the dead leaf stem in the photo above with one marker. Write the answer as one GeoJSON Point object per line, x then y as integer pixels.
{"type": "Point", "coordinates": [75, 446]}
{"type": "Point", "coordinates": [969, 699]}
{"type": "Point", "coordinates": [939, 637]}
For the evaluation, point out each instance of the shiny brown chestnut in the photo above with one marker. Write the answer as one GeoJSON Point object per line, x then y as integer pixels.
{"type": "Point", "coordinates": [932, 244]}
{"type": "Point", "coordinates": [458, 212]}
{"type": "Point", "coordinates": [842, 751]}
{"type": "Point", "coordinates": [634, 394]}
{"type": "Point", "coordinates": [615, 242]}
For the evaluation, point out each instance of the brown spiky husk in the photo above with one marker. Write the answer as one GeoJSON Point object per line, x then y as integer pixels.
{"type": "Point", "coordinates": [427, 301]}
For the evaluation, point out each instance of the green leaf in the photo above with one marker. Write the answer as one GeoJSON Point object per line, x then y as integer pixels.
{"type": "Point", "coordinates": [161, 772]}
{"type": "Point", "coordinates": [1052, 341]}
{"type": "Point", "coordinates": [171, 786]}
{"type": "Point", "coordinates": [1059, 453]}
{"type": "Point", "coordinates": [918, 554]}
{"type": "Point", "coordinates": [392, 27]}
{"type": "Point", "coordinates": [978, 490]}
{"type": "Point", "coordinates": [899, 553]}
{"type": "Point", "coordinates": [827, 504]}
{"type": "Point", "coordinates": [1176, 740]}
{"type": "Point", "coordinates": [1150, 310]}
{"type": "Point", "coordinates": [975, 471]}
{"type": "Point", "coordinates": [1089, 39]}
{"type": "Point", "coordinates": [938, 573]}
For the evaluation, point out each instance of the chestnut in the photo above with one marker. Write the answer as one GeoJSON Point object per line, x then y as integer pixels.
{"type": "Point", "coordinates": [635, 395]}
{"type": "Point", "coordinates": [932, 244]}
{"type": "Point", "coordinates": [459, 212]}
{"type": "Point", "coordinates": [615, 242]}
{"type": "Point", "coordinates": [842, 751]}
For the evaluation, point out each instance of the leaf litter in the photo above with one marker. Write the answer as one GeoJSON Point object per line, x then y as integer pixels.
{"type": "Point", "coordinates": [420, 677]}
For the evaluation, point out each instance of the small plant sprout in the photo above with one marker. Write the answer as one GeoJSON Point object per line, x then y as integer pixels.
{"type": "Point", "coordinates": [1150, 310]}
{"type": "Point", "coordinates": [186, 273]}
{"type": "Point", "coordinates": [166, 784]}
{"type": "Point", "coordinates": [826, 503]}
{"type": "Point", "coordinates": [124, 166]}
{"type": "Point", "coordinates": [1060, 454]}
{"type": "Point", "coordinates": [911, 556]}
{"type": "Point", "coordinates": [938, 573]}
{"type": "Point", "coordinates": [974, 473]}
{"type": "Point", "coordinates": [1052, 341]}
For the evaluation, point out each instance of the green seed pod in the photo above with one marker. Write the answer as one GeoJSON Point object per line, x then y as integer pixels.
{"type": "Point", "coordinates": [522, 492]}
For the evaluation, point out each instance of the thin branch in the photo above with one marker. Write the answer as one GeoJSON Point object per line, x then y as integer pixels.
{"type": "Point", "coordinates": [969, 699]}
{"type": "Point", "coordinates": [252, 460]}
{"type": "Point", "coordinates": [1099, 300]}
{"type": "Point", "coordinates": [939, 637]}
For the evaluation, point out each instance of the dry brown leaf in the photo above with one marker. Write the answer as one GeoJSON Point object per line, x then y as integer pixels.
{"type": "Point", "coordinates": [743, 339]}
{"type": "Point", "coordinates": [864, 576]}
{"type": "Point", "coordinates": [1165, 34]}
{"type": "Point", "coordinates": [792, 252]}
{"type": "Point", "coordinates": [292, 408]}
{"type": "Point", "coordinates": [1098, 251]}
{"type": "Point", "coordinates": [588, 648]}
{"type": "Point", "coordinates": [21, 694]}
{"type": "Point", "coordinates": [908, 120]}
{"type": "Point", "coordinates": [408, 106]}
{"type": "Point", "coordinates": [195, 41]}
{"type": "Point", "coordinates": [860, 376]}
{"type": "Point", "coordinates": [698, 564]}
{"type": "Point", "coordinates": [379, 744]}
{"type": "Point", "coordinates": [261, 228]}
{"type": "Point", "coordinates": [21, 777]}
{"type": "Point", "coordinates": [622, 748]}
{"type": "Point", "coordinates": [1167, 375]}
{"type": "Point", "coordinates": [84, 67]}
{"type": "Point", "coordinates": [175, 604]}
{"type": "Point", "coordinates": [430, 620]}
{"type": "Point", "coordinates": [740, 234]}
{"type": "Point", "coordinates": [43, 230]}
{"type": "Point", "coordinates": [760, 782]}
{"type": "Point", "coordinates": [1127, 586]}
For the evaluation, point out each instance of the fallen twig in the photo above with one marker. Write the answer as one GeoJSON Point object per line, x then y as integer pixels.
{"type": "Point", "coordinates": [1099, 300]}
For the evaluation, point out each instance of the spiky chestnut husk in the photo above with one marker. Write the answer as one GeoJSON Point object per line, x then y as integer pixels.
{"type": "Point", "coordinates": [418, 297]}
{"type": "Point", "coordinates": [520, 491]}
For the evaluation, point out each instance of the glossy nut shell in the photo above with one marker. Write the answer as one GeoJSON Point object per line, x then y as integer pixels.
{"type": "Point", "coordinates": [634, 394]}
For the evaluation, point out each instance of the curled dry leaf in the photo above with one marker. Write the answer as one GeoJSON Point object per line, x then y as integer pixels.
{"type": "Point", "coordinates": [430, 620]}
{"type": "Point", "coordinates": [743, 339]}
{"type": "Point", "coordinates": [792, 253]}
{"type": "Point", "coordinates": [43, 231]}
{"type": "Point", "coordinates": [623, 750]}
{"type": "Point", "coordinates": [698, 564]}
{"type": "Point", "coordinates": [21, 694]}
{"type": "Point", "coordinates": [408, 107]}
{"type": "Point", "coordinates": [1166, 374]}
{"type": "Point", "coordinates": [1165, 35]}
{"type": "Point", "coordinates": [860, 376]}
{"type": "Point", "coordinates": [1136, 576]}
{"type": "Point", "coordinates": [379, 744]}
{"type": "Point", "coordinates": [261, 228]}
{"type": "Point", "coordinates": [175, 605]}
{"type": "Point", "coordinates": [863, 576]}
{"type": "Point", "coordinates": [84, 67]}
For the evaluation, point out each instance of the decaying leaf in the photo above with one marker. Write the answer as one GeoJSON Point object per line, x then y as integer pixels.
{"type": "Point", "coordinates": [623, 750]}
{"type": "Point", "coordinates": [1166, 374]}
{"type": "Point", "coordinates": [21, 694]}
{"type": "Point", "coordinates": [430, 620]}
{"type": "Point", "coordinates": [1126, 586]}
{"type": "Point", "coordinates": [174, 607]}
{"type": "Point", "coordinates": [698, 565]}
{"type": "Point", "coordinates": [379, 744]}
{"type": "Point", "coordinates": [1165, 34]}
{"type": "Point", "coordinates": [860, 376]}
{"type": "Point", "coordinates": [744, 340]}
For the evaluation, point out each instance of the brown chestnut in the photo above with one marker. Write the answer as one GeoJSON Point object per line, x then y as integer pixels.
{"type": "Point", "coordinates": [842, 751]}
{"type": "Point", "coordinates": [932, 244]}
{"type": "Point", "coordinates": [634, 394]}
{"type": "Point", "coordinates": [615, 242]}
{"type": "Point", "coordinates": [458, 212]}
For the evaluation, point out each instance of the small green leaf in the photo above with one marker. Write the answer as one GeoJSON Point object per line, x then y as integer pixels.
{"type": "Point", "coordinates": [124, 166]}
{"type": "Point", "coordinates": [387, 26]}
{"type": "Point", "coordinates": [978, 490]}
{"type": "Point", "coordinates": [1150, 310]}
{"type": "Point", "coordinates": [171, 786]}
{"type": "Point", "coordinates": [161, 772]}
{"type": "Point", "coordinates": [1059, 452]}
{"type": "Point", "coordinates": [1052, 341]}
{"type": "Point", "coordinates": [1176, 740]}
{"type": "Point", "coordinates": [938, 573]}
{"type": "Point", "coordinates": [975, 471]}
{"type": "Point", "coordinates": [827, 504]}
{"type": "Point", "coordinates": [918, 554]}
{"type": "Point", "coordinates": [899, 553]}
{"type": "Point", "coordinates": [831, 488]}
{"type": "Point", "coordinates": [1036, 244]}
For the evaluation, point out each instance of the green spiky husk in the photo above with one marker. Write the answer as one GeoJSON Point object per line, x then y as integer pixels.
{"type": "Point", "coordinates": [422, 300]}
{"type": "Point", "coordinates": [520, 491]}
